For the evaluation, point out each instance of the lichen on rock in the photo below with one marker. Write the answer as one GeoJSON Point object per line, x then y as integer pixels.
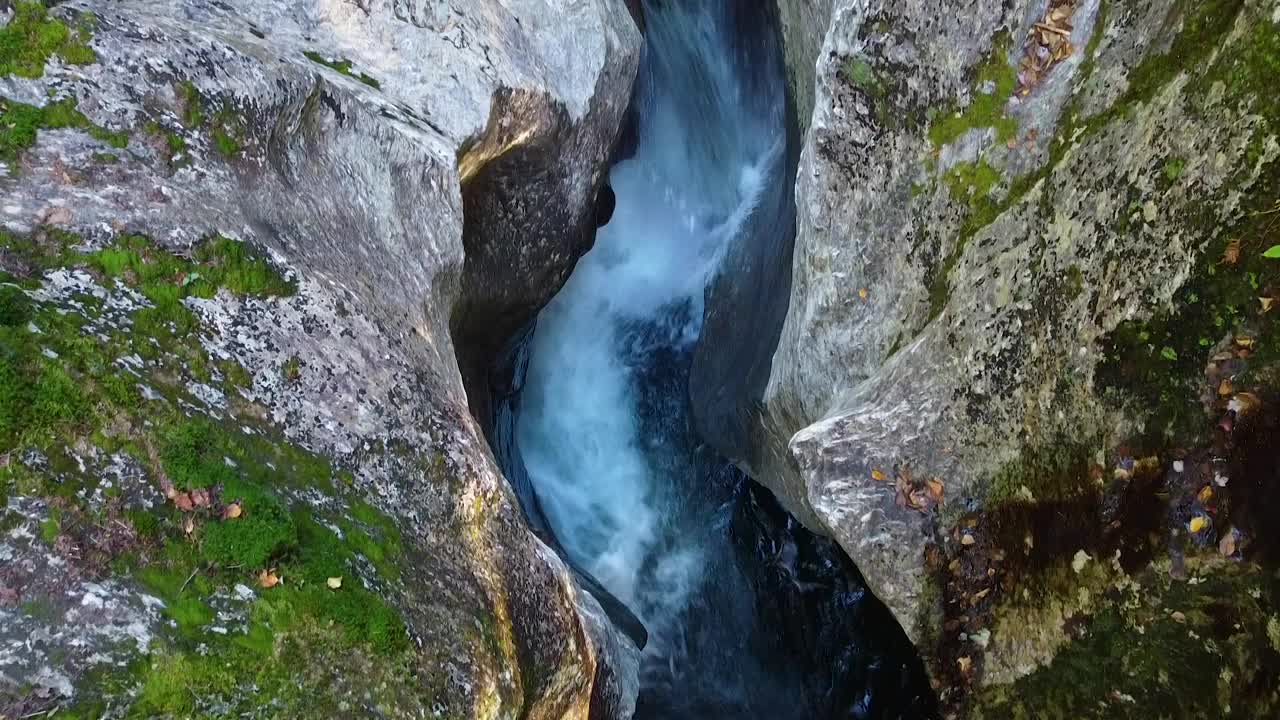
{"type": "Point", "coordinates": [236, 459]}
{"type": "Point", "coordinates": [1045, 295]}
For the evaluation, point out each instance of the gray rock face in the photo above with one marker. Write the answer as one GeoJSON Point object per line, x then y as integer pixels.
{"type": "Point", "coordinates": [963, 251]}
{"type": "Point", "coordinates": [422, 168]}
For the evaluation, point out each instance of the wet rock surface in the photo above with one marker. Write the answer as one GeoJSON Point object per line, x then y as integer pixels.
{"type": "Point", "coordinates": [239, 474]}
{"type": "Point", "coordinates": [1022, 295]}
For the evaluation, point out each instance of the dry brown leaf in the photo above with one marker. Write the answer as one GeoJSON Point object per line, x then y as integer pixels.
{"type": "Point", "coordinates": [1205, 494]}
{"type": "Point", "coordinates": [1227, 545]}
{"type": "Point", "coordinates": [965, 663]}
{"type": "Point", "coordinates": [935, 488]}
{"type": "Point", "coordinates": [232, 511]}
{"type": "Point", "coordinates": [200, 498]}
{"type": "Point", "coordinates": [877, 475]}
{"type": "Point", "coordinates": [1225, 388]}
{"type": "Point", "coordinates": [189, 525]}
{"type": "Point", "coordinates": [1231, 255]}
{"type": "Point", "coordinates": [268, 579]}
{"type": "Point", "coordinates": [183, 501]}
{"type": "Point", "coordinates": [967, 539]}
{"type": "Point", "coordinates": [1266, 303]}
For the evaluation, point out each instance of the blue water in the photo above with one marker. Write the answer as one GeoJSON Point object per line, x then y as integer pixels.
{"type": "Point", "coordinates": [748, 616]}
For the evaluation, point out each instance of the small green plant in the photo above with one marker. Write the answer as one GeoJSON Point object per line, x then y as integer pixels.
{"type": "Point", "coordinates": [20, 124]}
{"type": "Point", "coordinates": [292, 369]}
{"type": "Point", "coordinates": [31, 38]}
{"type": "Point", "coordinates": [192, 110]}
{"type": "Point", "coordinates": [343, 67]}
{"type": "Point", "coordinates": [15, 307]}
{"type": "Point", "coordinates": [1272, 253]}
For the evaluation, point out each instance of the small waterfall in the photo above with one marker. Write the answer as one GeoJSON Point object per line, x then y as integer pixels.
{"type": "Point", "coordinates": [748, 615]}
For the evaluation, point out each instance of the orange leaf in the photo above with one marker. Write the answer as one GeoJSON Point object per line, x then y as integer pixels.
{"type": "Point", "coordinates": [935, 488]}
{"type": "Point", "coordinates": [232, 511]}
{"type": "Point", "coordinates": [877, 475]}
{"type": "Point", "coordinates": [268, 579]}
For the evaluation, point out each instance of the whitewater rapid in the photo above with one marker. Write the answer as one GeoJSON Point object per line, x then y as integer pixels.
{"type": "Point", "coordinates": [704, 151]}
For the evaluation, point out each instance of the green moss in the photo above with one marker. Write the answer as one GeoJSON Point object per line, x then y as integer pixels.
{"type": "Point", "coordinates": [51, 526]}
{"type": "Point", "coordinates": [18, 128]}
{"type": "Point", "coordinates": [1052, 471]}
{"type": "Point", "coordinates": [176, 143]}
{"type": "Point", "coordinates": [1173, 168]}
{"type": "Point", "coordinates": [15, 306]}
{"type": "Point", "coordinates": [20, 124]}
{"type": "Point", "coordinates": [343, 67]}
{"type": "Point", "coordinates": [1140, 661]}
{"type": "Point", "coordinates": [192, 455]}
{"type": "Point", "coordinates": [970, 183]}
{"type": "Point", "coordinates": [31, 38]}
{"type": "Point", "coordinates": [192, 104]}
{"type": "Point", "coordinates": [224, 142]}
{"type": "Point", "coordinates": [292, 369]}
{"type": "Point", "coordinates": [1095, 41]}
{"type": "Point", "coordinates": [229, 263]}
{"type": "Point", "coordinates": [859, 72]}
{"type": "Point", "coordinates": [984, 109]}
{"type": "Point", "coordinates": [1159, 362]}
{"type": "Point", "coordinates": [236, 376]}
{"type": "Point", "coordinates": [265, 531]}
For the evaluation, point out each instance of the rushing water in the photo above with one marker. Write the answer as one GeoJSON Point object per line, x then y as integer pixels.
{"type": "Point", "coordinates": [748, 615]}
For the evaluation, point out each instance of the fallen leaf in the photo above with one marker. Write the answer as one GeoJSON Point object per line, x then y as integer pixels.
{"type": "Point", "coordinates": [200, 498]}
{"type": "Point", "coordinates": [1178, 617]}
{"type": "Point", "coordinates": [1080, 560]}
{"type": "Point", "coordinates": [1232, 255]}
{"type": "Point", "coordinates": [167, 488]}
{"type": "Point", "coordinates": [334, 583]}
{"type": "Point", "coordinates": [877, 475]}
{"type": "Point", "coordinates": [189, 525]}
{"type": "Point", "coordinates": [935, 488]}
{"type": "Point", "coordinates": [1245, 342]}
{"type": "Point", "coordinates": [232, 511]}
{"type": "Point", "coordinates": [1225, 388]}
{"type": "Point", "coordinates": [1266, 303]}
{"type": "Point", "coordinates": [964, 663]}
{"type": "Point", "coordinates": [1198, 523]}
{"type": "Point", "coordinates": [183, 501]}
{"type": "Point", "coordinates": [967, 539]}
{"type": "Point", "coordinates": [862, 294]}
{"type": "Point", "coordinates": [268, 579]}
{"type": "Point", "coordinates": [1205, 494]}
{"type": "Point", "coordinates": [1227, 545]}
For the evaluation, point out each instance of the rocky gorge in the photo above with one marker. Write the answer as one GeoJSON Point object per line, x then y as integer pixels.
{"type": "Point", "coordinates": [965, 405]}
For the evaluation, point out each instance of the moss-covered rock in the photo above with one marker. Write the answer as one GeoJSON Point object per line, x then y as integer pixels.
{"type": "Point", "coordinates": [1048, 291]}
